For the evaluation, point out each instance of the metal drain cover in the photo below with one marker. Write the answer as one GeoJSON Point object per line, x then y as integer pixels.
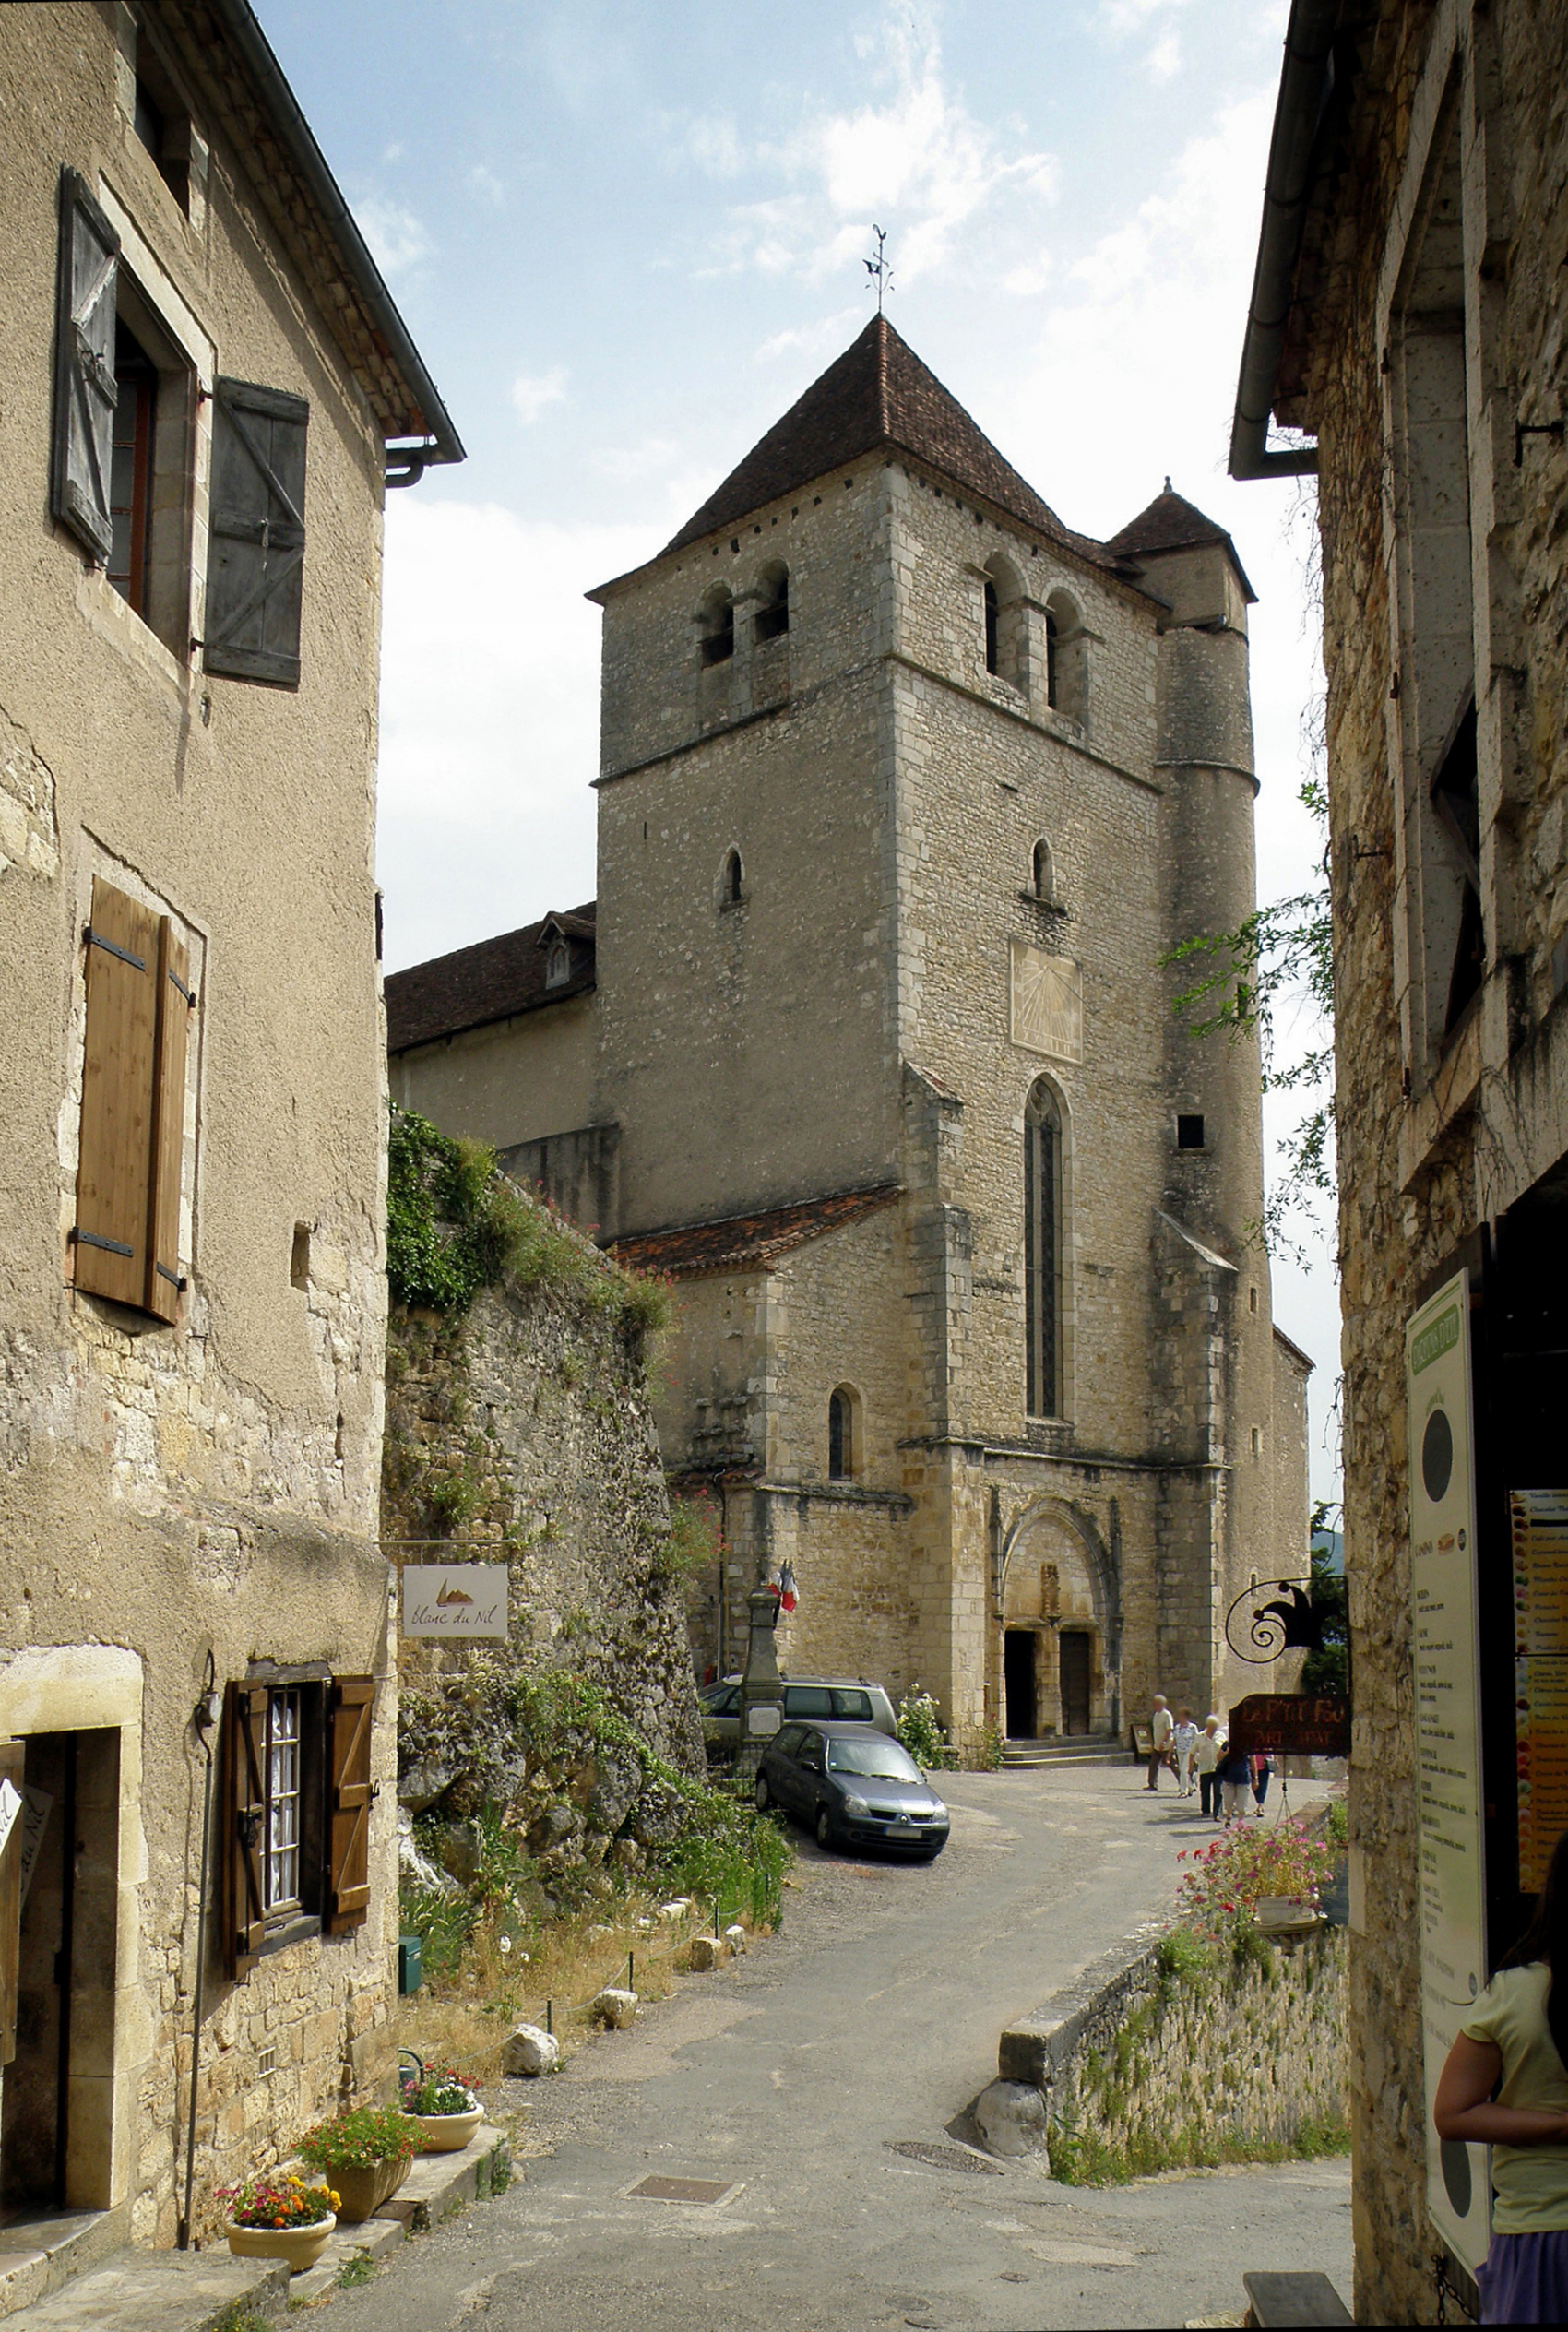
{"type": "Point", "coordinates": [682, 2190]}
{"type": "Point", "coordinates": [916, 2150]}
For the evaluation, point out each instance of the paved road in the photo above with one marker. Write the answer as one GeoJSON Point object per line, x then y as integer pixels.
{"type": "Point", "coordinates": [870, 2021]}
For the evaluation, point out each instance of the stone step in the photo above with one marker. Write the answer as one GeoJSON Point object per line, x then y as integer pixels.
{"type": "Point", "coordinates": [41, 2249]}
{"type": "Point", "coordinates": [208, 2290]}
{"type": "Point", "coordinates": [1067, 1749]}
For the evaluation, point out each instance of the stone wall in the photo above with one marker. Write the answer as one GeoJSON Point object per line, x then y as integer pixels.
{"type": "Point", "coordinates": [1141, 2070]}
{"type": "Point", "coordinates": [523, 1435]}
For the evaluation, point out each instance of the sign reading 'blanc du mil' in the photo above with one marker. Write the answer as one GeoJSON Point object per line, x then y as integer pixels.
{"type": "Point", "coordinates": [1302, 1725]}
{"type": "Point", "coordinates": [456, 1599]}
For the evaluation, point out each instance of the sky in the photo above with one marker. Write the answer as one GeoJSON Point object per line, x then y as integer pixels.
{"type": "Point", "coordinates": [626, 236]}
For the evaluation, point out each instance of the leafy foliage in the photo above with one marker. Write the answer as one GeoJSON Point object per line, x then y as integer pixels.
{"type": "Point", "coordinates": [1220, 1894]}
{"type": "Point", "coordinates": [922, 1732]}
{"type": "Point", "coordinates": [1327, 1669]}
{"type": "Point", "coordinates": [361, 2140]}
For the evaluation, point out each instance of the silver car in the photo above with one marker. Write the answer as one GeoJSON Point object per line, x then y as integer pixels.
{"type": "Point", "coordinates": [851, 1699]}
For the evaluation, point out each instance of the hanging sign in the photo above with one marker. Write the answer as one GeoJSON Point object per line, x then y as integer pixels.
{"type": "Point", "coordinates": [1313, 1725]}
{"type": "Point", "coordinates": [456, 1599]}
{"type": "Point", "coordinates": [1446, 1647]}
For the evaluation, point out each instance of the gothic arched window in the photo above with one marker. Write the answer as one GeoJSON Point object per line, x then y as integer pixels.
{"type": "Point", "coordinates": [1042, 1250]}
{"type": "Point", "coordinates": [718, 627]}
{"type": "Point", "coordinates": [772, 618]}
{"type": "Point", "coordinates": [842, 1455]}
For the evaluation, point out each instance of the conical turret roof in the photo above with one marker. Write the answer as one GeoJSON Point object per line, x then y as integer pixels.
{"type": "Point", "coordinates": [1172, 523]}
{"type": "Point", "coordinates": [878, 395]}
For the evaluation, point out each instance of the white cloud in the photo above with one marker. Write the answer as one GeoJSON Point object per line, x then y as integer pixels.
{"type": "Point", "coordinates": [490, 718]}
{"type": "Point", "coordinates": [486, 186]}
{"type": "Point", "coordinates": [913, 156]}
{"type": "Point", "coordinates": [825, 336]}
{"type": "Point", "coordinates": [531, 392]}
{"type": "Point", "coordinates": [396, 237]}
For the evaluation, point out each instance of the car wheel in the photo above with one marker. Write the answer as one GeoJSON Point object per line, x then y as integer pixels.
{"type": "Point", "coordinates": [763, 1795]}
{"type": "Point", "coordinates": [929, 1853]}
{"type": "Point", "coordinates": [824, 1827]}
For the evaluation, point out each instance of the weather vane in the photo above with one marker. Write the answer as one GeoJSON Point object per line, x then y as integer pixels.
{"type": "Point", "coordinates": [878, 268]}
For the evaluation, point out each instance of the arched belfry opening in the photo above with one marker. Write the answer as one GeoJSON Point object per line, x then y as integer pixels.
{"type": "Point", "coordinates": [1066, 673]}
{"type": "Point", "coordinates": [772, 618]}
{"type": "Point", "coordinates": [1004, 596]}
{"type": "Point", "coordinates": [716, 628]}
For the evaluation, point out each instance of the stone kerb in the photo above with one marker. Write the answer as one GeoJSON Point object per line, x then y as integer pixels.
{"type": "Point", "coordinates": [1130, 2069]}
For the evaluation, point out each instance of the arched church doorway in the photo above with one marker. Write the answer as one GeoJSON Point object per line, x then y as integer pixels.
{"type": "Point", "coordinates": [1077, 1664]}
{"type": "Point", "coordinates": [1018, 1684]}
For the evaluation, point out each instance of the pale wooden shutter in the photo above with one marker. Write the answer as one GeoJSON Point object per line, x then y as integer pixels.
{"type": "Point", "coordinates": [256, 563]}
{"type": "Point", "coordinates": [114, 1161]}
{"type": "Point", "coordinates": [84, 367]}
{"type": "Point", "coordinates": [244, 1825]}
{"type": "Point", "coordinates": [176, 1004]}
{"type": "Point", "coordinates": [13, 1761]}
{"type": "Point", "coordinates": [348, 1877]}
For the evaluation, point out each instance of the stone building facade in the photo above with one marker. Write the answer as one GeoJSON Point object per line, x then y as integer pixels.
{"type": "Point", "coordinates": [906, 792]}
{"type": "Point", "coordinates": [200, 379]}
{"type": "Point", "coordinates": [1410, 314]}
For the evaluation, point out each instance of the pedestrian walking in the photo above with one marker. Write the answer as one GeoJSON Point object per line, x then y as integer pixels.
{"type": "Point", "coordinates": [1235, 1781]}
{"type": "Point", "coordinates": [1184, 1742]}
{"type": "Point", "coordinates": [1205, 1759]}
{"type": "Point", "coordinates": [1263, 1766]}
{"type": "Point", "coordinates": [1514, 2041]}
{"type": "Point", "coordinates": [1162, 1724]}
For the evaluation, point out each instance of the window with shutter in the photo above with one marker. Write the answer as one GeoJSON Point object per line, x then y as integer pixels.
{"type": "Point", "coordinates": [256, 534]}
{"type": "Point", "coordinates": [245, 1826]}
{"type": "Point", "coordinates": [131, 1155]}
{"type": "Point", "coordinates": [348, 1890]}
{"type": "Point", "coordinates": [85, 393]}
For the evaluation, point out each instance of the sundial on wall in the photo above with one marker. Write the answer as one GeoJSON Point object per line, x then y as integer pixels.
{"type": "Point", "coordinates": [1048, 1003]}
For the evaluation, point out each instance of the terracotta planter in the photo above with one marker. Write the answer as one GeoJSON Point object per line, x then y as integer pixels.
{"type": "Point", "coordinates": [446, 2133]}
{"type": "Point", "coordinates": [300, 2246]}
{"type": "Point", "coordinates": [361, 2191]}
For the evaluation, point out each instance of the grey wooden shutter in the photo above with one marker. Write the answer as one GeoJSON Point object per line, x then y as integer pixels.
{"type": "Point", "coordinates": [84, 367]}
{"type": "Point", "coordinates": [256, 533]}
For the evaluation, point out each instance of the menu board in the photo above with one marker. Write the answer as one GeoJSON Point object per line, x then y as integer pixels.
{"type": "Point", "coordinates": [1539, 1519]}
{"type": "Point", "coordinates": [1446, 1645]}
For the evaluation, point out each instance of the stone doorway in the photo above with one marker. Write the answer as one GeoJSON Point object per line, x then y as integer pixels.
{"type": "Point", "coordinates": [1077, 1657]}
{"type": "Point", "coordinates": [1021, 1697]}
{"type": "Point", "coordinates": [56, 2107]}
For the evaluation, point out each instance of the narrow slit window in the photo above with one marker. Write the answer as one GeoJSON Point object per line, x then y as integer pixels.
{"type": "Point", "coordinates": [992, 616]}
{"type": "Point", "coordinates": [1042, 1252]}
{"type": "Point", "coordinates": [841, 1434]}
{"type": "Point", "coordinates": [1189, 1131]}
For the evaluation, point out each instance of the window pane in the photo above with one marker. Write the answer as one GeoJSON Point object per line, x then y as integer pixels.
{"type": "Point", "coordinates": [808, 1701]}
{"type": "Point", "coordinates": [282, 1799]}
{"type": "Point", "coordinates": [854, 1707]}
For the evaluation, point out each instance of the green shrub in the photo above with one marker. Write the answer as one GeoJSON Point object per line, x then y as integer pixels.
{"type": "Point", "coordinates": [921, 1730]}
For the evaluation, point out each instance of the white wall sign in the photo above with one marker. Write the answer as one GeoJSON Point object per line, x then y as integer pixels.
{"type": "Point", "coordinates": [455, 1598]}
{"type": "Point", "coordinates": [1447, 1644]}
{"type": "Point", "coordinates": [1048, 1003]}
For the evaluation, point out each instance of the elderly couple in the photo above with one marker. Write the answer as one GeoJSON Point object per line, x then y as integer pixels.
{"type": "Point", "coordinates": [1222, 1779]}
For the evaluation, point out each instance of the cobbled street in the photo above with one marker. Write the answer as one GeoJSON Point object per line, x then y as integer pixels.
{"type": "Point", "coordinates": [870, 2022]}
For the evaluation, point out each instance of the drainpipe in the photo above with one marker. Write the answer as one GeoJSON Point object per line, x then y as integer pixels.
{"type": "Point", "coordinates": [204, 1717]}
{"type": "Point", "coordinates": [1305, 87]}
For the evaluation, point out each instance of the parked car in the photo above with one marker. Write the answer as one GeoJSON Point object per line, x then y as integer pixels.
{"type": "Point", "coordinates": [852, 1786]}
{"type": "Point", "coordinates": [849, 1698]}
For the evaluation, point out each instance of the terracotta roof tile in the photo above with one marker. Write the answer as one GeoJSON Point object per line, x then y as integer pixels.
{"type": "Point", "coordinates": [878, 395]}
{"type": "Point", "coordinates": [748, 1238]}
{"type": "Point", "coordinates": [488, 982]}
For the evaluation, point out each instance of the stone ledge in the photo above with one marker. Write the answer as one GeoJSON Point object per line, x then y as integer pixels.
{"type": "Point", "coordinates": [162, 2292]}
{"type": "Point", "coordinates": [1036, 2046]}
{"type": "Point", "coordinates": [435, 2184]}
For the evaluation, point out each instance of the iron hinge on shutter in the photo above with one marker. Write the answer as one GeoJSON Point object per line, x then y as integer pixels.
{"type": "Point", "coordinates": [91, 938]}
{"type": "Point", "coordinates": [90, 1238]}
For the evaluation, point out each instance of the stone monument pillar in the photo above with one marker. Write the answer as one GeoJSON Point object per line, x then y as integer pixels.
{"type": "Point", "coordinates": [762, 1687]}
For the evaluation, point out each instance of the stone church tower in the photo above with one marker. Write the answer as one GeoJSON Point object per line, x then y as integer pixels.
{"type": "Point", "coordinates": [906, 792]}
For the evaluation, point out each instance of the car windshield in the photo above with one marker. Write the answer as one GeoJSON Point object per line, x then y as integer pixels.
{"type": "Point", "coordinates": [878, 1760]}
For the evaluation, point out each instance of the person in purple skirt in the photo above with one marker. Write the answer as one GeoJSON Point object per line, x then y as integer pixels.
{"type": "Point", "coordinates": [1505, 2085]}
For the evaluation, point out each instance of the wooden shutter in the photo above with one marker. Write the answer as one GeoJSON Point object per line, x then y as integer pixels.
{"type": "Point", "coordinates": [84, 367]}
{"type": "Point", "coordinates": [347, 1877]}
{"type": "Point", "coordinates": [244, 1825]}
{"type": "Point", "coordinates": [255, 562]}
{"type": "Point", "coordinates": [114, 1162]}
{"type": "Point", "coordinates": [176, 1004]}
{"type": "Point", "coordinates": [13, 1760]}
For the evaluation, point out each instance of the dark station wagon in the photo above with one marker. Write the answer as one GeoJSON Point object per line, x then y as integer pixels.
{"type": "Point", "coordinates": [852, 1786]}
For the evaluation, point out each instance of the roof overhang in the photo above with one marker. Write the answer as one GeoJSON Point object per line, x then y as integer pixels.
{"type": "Point", "coordinates": [1306, 85]}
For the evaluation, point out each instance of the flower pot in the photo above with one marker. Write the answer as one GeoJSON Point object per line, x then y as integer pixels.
{"type": "Point", "coordinates": [446, 2133]}
{"type": "Point", "coordinates": [362, 2191]}
{"type": "Point", "coordinates": [300, 2246]}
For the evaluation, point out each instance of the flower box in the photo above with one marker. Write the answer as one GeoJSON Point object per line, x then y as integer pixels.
{"type": "Point", "coordinates": [300, 2246]}
{"type": "Point", "coordinates": [446, 2133]}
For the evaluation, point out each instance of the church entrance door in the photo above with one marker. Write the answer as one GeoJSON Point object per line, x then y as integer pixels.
{"type": "Point", "coordinates": [1018, 1679]}
{"type": "Point", "coordinates": [1076, 1650]}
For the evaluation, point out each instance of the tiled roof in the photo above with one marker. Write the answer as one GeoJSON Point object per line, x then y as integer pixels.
{"type": "Point", "coordinates": [1172, 523]}
{"type": "Point", "coordinates": [743, 1239]}
{"type": "Point", "coordinates": [878, 394]}
{"type": "Point", "coordinates": [488, 982]}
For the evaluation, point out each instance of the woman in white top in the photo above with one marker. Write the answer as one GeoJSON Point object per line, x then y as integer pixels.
{"type": "Point", "coordinates": [1505, 2085]}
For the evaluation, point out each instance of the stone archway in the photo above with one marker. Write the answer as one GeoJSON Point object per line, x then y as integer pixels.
{"type": "Point", "coordinates": [1057, 1585]}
